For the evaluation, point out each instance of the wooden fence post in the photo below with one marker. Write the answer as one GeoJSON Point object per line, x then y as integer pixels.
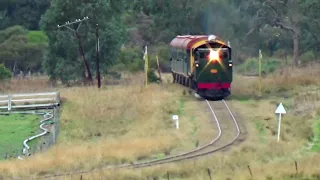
{"type": "Point", "coordinates": [250, 170]}
{"type": "Point", "coordinates": [168, 176]}
{"type": "Point", "coordinates": [296, 164]}
{"type": "Point", "coordinates": [81, 177]}
{"type": "Point", "coordinates": [209, 173]}
{"type": "Point", "coordinates": [9, 102]}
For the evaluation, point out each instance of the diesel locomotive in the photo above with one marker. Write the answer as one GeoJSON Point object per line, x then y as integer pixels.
{"type": "Point", "coordinates": [202, 63]}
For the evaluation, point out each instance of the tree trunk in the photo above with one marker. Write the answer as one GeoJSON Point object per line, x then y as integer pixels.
{"type": "Point", "coordinates": [89, 75]}
{"type": "Point", "coordinates": [296, 49]}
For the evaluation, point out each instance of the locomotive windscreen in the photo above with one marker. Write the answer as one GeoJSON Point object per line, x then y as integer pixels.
{"type": "Point", "coordinates": [222, 53]}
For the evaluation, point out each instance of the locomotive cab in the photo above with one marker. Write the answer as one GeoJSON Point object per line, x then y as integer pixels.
{"type": "Point", "coordinates": [202, 63]}
{"type": "Point", "coordinates": [213, 65]}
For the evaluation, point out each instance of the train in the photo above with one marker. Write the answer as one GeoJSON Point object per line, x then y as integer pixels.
{"type": "Point", "coordinates": [202, 63]}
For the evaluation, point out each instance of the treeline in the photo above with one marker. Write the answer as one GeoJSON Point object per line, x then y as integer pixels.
{"type": "Point", "coordinates": [283, 29]}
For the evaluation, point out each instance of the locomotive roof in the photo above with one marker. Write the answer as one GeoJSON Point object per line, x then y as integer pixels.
{"type": "Point", "coordinates": [187, 41]}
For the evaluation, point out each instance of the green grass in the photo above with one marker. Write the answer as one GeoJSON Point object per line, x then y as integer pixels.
{"type": "Point", "coordinates": [260, 129]}
{"type": "Point", "coordinates": [316, 135]}
{"type": "Point", "coordinates": [14, 129]}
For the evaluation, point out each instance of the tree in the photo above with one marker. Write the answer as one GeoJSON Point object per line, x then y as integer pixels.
{"type": "Point", "coordinates": [18, 52]}
{"type": "Point", "coordinates": [62, 60]}
{"type": "Point", "coordinates": [286, 15]}
{"type": "Point", "coordinates": [312, 14]}
{"type": "Point", "coordinates": [26, 13]}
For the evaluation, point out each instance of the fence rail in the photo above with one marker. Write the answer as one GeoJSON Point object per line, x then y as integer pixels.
{"type": "Point", "coordinates": [29, 101]}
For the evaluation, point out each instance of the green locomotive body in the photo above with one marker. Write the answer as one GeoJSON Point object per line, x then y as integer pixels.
{"type": "Point", "coordinates": [202, 63]}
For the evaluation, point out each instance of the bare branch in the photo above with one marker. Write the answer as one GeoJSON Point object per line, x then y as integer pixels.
{"type": "Point", "coordinates": [272, 8]}
{"type": "Point", "coordinates": [287, 27]}
{"type": "Point", "coordinates": [249, 33]}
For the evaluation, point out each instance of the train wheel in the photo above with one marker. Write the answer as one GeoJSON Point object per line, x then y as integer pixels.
{"type": "Point", "coordinates": [186, 81]}
{"type": "Point", "coordinates": [194, 84]}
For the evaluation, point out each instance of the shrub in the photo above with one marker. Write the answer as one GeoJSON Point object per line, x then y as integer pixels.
{"type": "Point", "coordinates": [307, 57]}
{"type": "Point", "coordinates": [4, 72]}
{"type": "Point", "coordinates": [152, 77]}
{"type": "Point", "coordinates": [251, 66]}
{"type": "Point", "coordinates": [132, 59]}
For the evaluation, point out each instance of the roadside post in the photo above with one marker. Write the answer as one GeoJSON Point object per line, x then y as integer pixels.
{"type": "Point", "coordinates": [280, 110]}
{"type": "Point", "coordinates": [176, 119]}
{"type": "Point", "coordinates": [145, 58]}
{"type": "Point", "coordinates": [260, 78]}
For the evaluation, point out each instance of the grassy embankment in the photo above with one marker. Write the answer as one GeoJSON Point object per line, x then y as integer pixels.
{"type": "Point", "coordinates": [118, 124]}
{"type": "Point", "coordinates": [130, 116]}
{"type": "Point", "coordinates": [14, 129]}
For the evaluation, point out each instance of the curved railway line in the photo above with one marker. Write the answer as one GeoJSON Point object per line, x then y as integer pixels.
{"type": "Point", "coordinates": [224, 120]}
{"type": "Point", "coordinates": [228, 133]}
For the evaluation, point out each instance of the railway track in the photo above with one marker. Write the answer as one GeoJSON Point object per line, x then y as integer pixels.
{"type": "Point", "coordinates": [228, 133]}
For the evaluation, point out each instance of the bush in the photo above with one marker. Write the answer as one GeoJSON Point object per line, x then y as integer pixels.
{"type": "Point", "coordinates": [4, 72]}
{"type": "Point", "coordinates": [307, 57]}
{"type": "Point", "coordinates": [132, 60]}
{"type": "Point", "coordinates": [251, 66]}
{"type": "Point", "coordinates": [152, 77]}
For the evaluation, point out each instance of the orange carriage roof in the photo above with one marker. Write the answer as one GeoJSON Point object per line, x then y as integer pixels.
{"type": "Point", "coordinates": [187, 41]}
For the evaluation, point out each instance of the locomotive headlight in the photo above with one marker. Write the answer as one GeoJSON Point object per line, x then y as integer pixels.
{"type": "Point", "coordinates": [197, 65]}
{"type": "Point", "coordinates": [214, 55]}
{"type": "Point", "coordinates": [230, 65]}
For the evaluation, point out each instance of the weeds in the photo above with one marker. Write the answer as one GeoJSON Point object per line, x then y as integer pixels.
{"type": "Point", "coordinates": [135, 123]}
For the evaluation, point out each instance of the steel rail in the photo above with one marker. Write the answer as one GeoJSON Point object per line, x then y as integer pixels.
{"type": "Point", "coordinates": [184, 157]}
{"type": "Point", "coordinates": [192, 151]}
{"type": "Point", "coordinates": [170, 159]}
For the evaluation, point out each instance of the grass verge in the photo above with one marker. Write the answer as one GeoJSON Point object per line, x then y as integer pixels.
{"type": "Point", "coordinates": [14, 129]}
{"type": "Point", "coordinates": [120, 124]}
{"type": "Point", "coordinates": [125, 123]}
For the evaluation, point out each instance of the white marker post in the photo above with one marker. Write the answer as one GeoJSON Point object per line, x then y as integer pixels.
{"type": "Point", "coordinates": [280, 110]}
{"type": "Point", "coordinates": [176, 118]}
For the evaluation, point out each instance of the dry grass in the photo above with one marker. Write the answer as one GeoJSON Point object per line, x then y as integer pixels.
{"type": "Point", "coordinates": [266, 157]}
{"type": "Point", "coordinates": [98, 124]}
{"type": "Point", "coordinates": [281, 83]}
{"type": "Point", "coordinates": [119, 124]}
{"type": "Point", "coordinates": [34, 84]}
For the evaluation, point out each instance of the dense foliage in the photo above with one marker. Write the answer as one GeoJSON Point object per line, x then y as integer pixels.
{"type": "Point", "coordinates": [22, 50]}
{"type": "Point", "coordinates": [4, 72]}
{"type": "Point", "coordinates": [62, 60]}
{"type": "Point", "coordinates": [282, 29]}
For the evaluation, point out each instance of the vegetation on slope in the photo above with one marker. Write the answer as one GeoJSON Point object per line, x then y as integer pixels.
{"type": "Point", "coordinates": [120, 124]}
{"type": "Point", "coordinates": [95, 133]}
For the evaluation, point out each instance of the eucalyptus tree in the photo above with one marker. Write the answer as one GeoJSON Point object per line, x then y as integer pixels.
{"type": "Point", "coordinates": [62, 60]}
{"type": "Point", "coordinates": [286, 15]}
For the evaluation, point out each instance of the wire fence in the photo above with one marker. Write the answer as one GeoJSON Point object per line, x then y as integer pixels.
{"type": "Point", "coordinates": [206, 173]}
{"type": "Point", "coordinates": [39, 144]}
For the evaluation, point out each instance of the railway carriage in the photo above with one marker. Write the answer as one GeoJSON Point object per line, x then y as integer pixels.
{"type": "Point", "coordinates": [202, 63]}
